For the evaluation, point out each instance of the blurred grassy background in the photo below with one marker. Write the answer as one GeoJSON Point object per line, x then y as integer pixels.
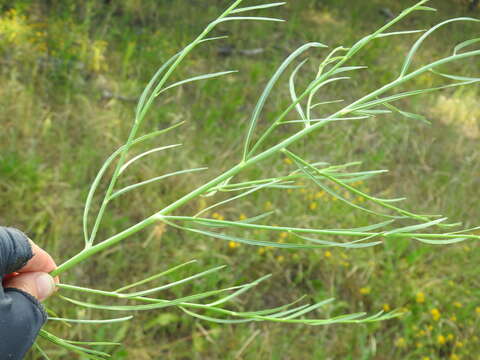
{"type": "Point", "coordinates": [71, 72]}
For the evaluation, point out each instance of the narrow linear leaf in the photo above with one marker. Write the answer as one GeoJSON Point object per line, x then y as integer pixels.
{"type": "Point", "coordinates": [268, 89]}
{"type": "Point", "coordinates": [155, 179]}
{"type": "Point", "coordinates": [91, 354]}
{"type": "Point", "coordinates": [257, 7]}
{"type": "Point", "coordinates": [293, 93]}
{"type": "Point", "coordinates": [249, 18]}
{"type": "Point", "coordinates": [105, 166]}
{"type": "Point", "coordinates": [101, 321]}
{"type": "Point", "coordinates": [246, 193]}
{"type": "Point", "coordinates": [408, 115]}
{"type": "Point", "coordinates": [248, 241]}
{"type": "Point", "coordinates": [395, 33]}
{"type": "Point", "coordinates": [196, 78]}
{"type": "Point", "coordinates": [415, 47]}
{"type": "Point", "coordinates": [464, 44]}
{"type": "Point", "coordinates": [146, 153]}
{"type": "Point", "coordinates": [441, 242]}
{"type": "Point", "coordinates": [172, 284]}
{"type": "Point", "coordinates": [348, 68]}
{"type": "Point", "coordinates": [156, 276]}
{"type": "Point", "coordinates": [416, 227]}
{"type": "Point", "coordinates": [326, 103]}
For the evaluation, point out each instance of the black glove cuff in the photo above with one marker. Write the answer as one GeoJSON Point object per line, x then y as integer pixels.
{"type": "Point", "coordinates": [15, 250]}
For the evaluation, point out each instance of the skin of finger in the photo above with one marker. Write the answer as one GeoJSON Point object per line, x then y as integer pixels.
{"type": "Point", "coordinates": [40, 262]}
{"type": "Point", "coordinates": [27, 282]}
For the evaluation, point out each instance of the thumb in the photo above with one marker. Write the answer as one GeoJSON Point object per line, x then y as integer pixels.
{"type": "Point", "coordinates": [38, 284]}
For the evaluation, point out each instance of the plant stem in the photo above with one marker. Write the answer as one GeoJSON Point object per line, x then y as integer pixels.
{"type": "Point", "coordinates": [88, 252]}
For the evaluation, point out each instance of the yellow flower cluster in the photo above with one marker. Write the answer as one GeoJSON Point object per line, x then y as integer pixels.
{"type": "Point", "coordinates": [218, 216]}
{"type": "Point", "coordinates": [233, 244]}
{"type": "Point", "coordinates": [97, 61]}
{"type": "Point", "coordinates": [365, 290]}
{"type": "Point", "coordinates": [400, 342]}
{"type": "Point", "coordinates": [288, 161]}
{"type": "Point", "coordinates": [27, 41]}
{"type": "Point", "coordinates": [14, 27]}
{"type": "Point", "coordinates": [420, 297]}
{"type": "Point", "coordinates": [435, 314]}
{"type": "Point", "coordinates": [441, 340]}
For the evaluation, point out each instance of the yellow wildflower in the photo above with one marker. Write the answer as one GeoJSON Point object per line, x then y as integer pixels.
{"type": "Point", "coordinates": [454, 357]}
{"type": "Point", "coordinates": [420, 297]}
{"type": "Point", "coordinates": [435, 314]}
{"type": "Point", "coordinates": [459, 344]}
{"type": "Point", "coordinates": [365, 290]}
{"type": "Point", "coordinates": [283, 235]}
{"type": "Point", "coordinates": [268, 205]}
{"type": "Point", "coordinates": [457, 304]}
{"type": "Point", "coordinates": [242, 217]}
{"type": "Point", "coordinates": [233, 244]}
{"type": "Point", "coordinates": [425, 358]}
{"type": "Point", "coordinates": [288, 161]}
{"type": "Point", "coordinates": [441, 339]}
{"type": "Point", "coordinates": [261, 251]}
{"type": "Point", "coordinates": [477, 310]}
{"type": "Point", "coordinates": [386, 307]}
{"type": "Point", "coordinates": [400, 342]}
{"type": "Point", "coordinates": [313, 206]}
{"type": "Point", "coordinates": [319, 194]}
{"type": "Point", "coordinates": [453, 318]}
{"type": "Point", "coordinates": [280, 258]}
{"type": "Point", "coordinates": [450, 337]}
{"type": "Point", "coordinates": [327, 254]}
{"type": "Point", "coordinates": [217, 216]}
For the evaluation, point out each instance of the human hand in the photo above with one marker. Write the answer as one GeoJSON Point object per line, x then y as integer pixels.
{"type": "Point", "coordinates": [24, 269]}
{"type": "Point", "coordinates": [33, 278]}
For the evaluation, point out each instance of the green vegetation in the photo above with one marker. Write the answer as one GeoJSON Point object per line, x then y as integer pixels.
{"type": "Point", "coordinates": [68, 91]}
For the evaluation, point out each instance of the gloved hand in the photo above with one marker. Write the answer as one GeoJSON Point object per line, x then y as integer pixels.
{"type": "Point", "coordinates": [24, 269]}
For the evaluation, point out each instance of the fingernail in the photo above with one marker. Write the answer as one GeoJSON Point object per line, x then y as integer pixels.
{"type": "Point", "coordinates": [45, 286]}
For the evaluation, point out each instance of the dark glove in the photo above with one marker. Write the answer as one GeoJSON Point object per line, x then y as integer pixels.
{"type": "Point", "coordinates": [21, 315]}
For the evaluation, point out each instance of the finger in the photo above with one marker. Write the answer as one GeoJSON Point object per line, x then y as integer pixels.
{"type": "Point", "coordinates": [38, 284]}
{"type": "Point", "coordinates": [40, 262]}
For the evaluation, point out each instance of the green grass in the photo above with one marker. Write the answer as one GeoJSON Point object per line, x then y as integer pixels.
{"type": "Point", "coordinates": [58, 127]}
